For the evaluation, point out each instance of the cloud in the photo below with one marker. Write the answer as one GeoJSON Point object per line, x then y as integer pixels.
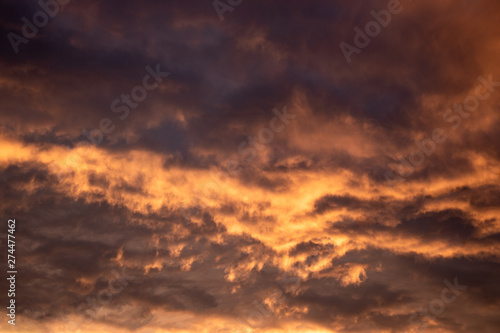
{"type": "Point", "coordinates": [307, 235]}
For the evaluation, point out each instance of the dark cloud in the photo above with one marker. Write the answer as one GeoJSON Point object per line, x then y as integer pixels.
{"type": "Point", "coordinates": [312, 208]}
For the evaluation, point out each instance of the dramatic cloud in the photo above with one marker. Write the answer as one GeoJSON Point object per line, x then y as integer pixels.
{"type": "Point", "coordinates": [224, 166]}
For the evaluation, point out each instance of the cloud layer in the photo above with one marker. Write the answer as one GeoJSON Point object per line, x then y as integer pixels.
{"type": "Point", "coordinates": [265, 184]}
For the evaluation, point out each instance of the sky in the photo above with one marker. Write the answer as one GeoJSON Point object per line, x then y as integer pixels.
{"type": "Point", "coordinates": [251, 166]}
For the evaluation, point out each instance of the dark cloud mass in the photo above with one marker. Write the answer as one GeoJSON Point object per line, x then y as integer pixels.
{"type": "Point", "coordinates": [170, 171]}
